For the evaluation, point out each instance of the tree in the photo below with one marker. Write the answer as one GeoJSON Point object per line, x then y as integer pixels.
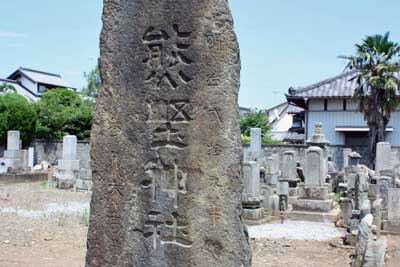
{"type": "Point", "coordinates": [256, 120]}
{"type": "Point", "coordinates": [17, 113]}
{"type": "Point", "coordinates": [7, 88]}
{"type": "Point", "coordinates": [94, 83]}
{"type": "Point", "coordinates": [62, 112]}
{"type": "Point", "coordinates": [375, 64]}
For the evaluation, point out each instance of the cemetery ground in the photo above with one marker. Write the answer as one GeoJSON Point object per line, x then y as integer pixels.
{"type": "Point", "coordinates": [47, 227]}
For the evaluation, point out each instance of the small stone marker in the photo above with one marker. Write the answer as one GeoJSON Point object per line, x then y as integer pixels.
{"type": "Point", "coordinates": [166, 151]}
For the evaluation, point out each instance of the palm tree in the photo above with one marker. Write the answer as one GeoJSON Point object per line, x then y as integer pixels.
{"type": "Point", "coordinates": [7, 88]}
{"type": "Point", "coordinates": [376, 66]}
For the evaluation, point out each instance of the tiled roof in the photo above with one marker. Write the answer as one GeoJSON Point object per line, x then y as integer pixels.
{"type": "Point", "coordinates": [339, 86]}
{"type": "Point", "coordinates": [294, 110]}
{"type": "Point", "coordinates": [43, 77]}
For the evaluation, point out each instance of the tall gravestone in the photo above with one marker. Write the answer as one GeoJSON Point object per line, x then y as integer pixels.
{"type": "Point", "coordinates": [166, 151]}
{"type": "Point", "coordinates": [383, 156]}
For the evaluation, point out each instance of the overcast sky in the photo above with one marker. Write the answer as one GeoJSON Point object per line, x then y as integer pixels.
{"type": "Point", "coordinates": [283, 42]}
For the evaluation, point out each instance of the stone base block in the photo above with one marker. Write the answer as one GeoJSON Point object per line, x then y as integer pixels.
{"type": "Point", "coordinates": [9, 178]}
{"type": "Point", "coordinates": [372, 191]}
{"type": "Point", "coordinates": [350, 239]}
{"type": "Point", "coordinates": [12, 154]}
{"type": "Point", "coordinates": [319, 193]}
{"type": "Point", "coordinates": [253, 214]}
{"type": "Point", "coordinates": [292, 200]}
{"type": "Point", "coordinates": [65, 184]}
{"type": "Point", "coordinates": [67, 164]}
{"type": "Point", "coordinates": [313, 205]}
{"type": "Point", "coordinates": [83, 185]}
{"type": "Point", "coordinates": [293, 191]}
{"type": "Point", "coordinates": [314, 216]}
{"type": "Point", "coordinates": [391, 227]}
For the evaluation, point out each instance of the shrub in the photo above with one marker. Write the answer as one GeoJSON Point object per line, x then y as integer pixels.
{"type": "Point", "coordinates": [17, 113]}
{"type": "Point", "coordinates": [62, 112]}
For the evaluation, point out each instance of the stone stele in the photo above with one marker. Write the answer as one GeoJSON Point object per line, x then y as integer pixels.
{"type": "Point", "coordinates": [166, 146]}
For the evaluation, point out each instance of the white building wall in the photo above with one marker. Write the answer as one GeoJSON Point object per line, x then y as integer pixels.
{"type": "Point", "coordinates": [29, 84]}
{"type": "Point", "coordinates": [332, 119]}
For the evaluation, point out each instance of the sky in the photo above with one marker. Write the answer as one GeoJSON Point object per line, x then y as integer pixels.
{"type": "Point", "coordinates": [284, 43]}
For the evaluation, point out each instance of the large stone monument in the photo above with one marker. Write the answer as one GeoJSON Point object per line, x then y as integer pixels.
{"type": "Point", "coordinates": [166, 149]}
{"type": "Point", "coordinates": [67, 171]}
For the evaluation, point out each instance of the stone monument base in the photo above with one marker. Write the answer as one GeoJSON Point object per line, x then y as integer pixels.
{"type": "Point", "coordinates": [391, 227]}
{"type": "Point", "coordinates": [83, 185]}
{"type": "Point", "coordinates": [253, 214]}
{"type": "Point", "coordinates": [22, 177]}
{"type": "Point", "coordinates": [331, 216]}
{"type": "Point", "coordinates": [313, 205]}
{"type": "Point", "coordinates": [314, 192]}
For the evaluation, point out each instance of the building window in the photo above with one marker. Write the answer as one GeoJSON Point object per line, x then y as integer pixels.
{"type": "Point", "coordinates": [344, 104]}
{"type": "Point", "coordinates": [42, 88]}
{"type": "Point", "coordinates": [325, 104]}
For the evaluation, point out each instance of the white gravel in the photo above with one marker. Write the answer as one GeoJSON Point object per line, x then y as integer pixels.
{"type": "Point", "coordinates": [296, 230]}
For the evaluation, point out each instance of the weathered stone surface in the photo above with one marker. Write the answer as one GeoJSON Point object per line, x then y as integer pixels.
{"type": "Point", "coordinates": [383, 154]}
{"type": "Point", "coordinates": [315, 171]}
{"type": "Point", "coordinates": [289, 164]}
{"type": "Point", "coordinates": [394, 204]}
{"type": "Point", "coordinates": [346, 153]}
{"type": "Point", "coordinates": [13, 140]}
{"type": "Point", "coordinates": [166, 151]}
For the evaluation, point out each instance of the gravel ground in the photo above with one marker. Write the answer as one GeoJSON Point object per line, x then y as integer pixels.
{"type": "Point", "coordinates": [296, 230]}
{"type": "Point", "coordinates": [44, 227]}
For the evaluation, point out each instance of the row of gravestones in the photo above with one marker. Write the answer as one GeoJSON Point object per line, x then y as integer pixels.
{"type": "Point", "coordinates": [363, 220]}
{"type": "Point", "coordinates": [66, 175]}
{"type": "Point", "coordinates": [267, 188]}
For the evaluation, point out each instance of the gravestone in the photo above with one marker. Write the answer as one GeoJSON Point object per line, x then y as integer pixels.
{"type": "Point", "coordinates": [255, 139]}
{"type": "Point", "coordinates": [383, 156]}
{"type": "Point", "coordinates": [12, 160]}
{"type": "Point", "coordinates": [289, 165]}
{"type": "Point", "coordinates": [383, 185]}
{"type": "Point", "coordinates": [394, 204]}
{"type": "Point", "coordinates": [346, 153]}
{"type": "Point", "coordinates": [67, 171]}
{"type": "Point", "coordinates": [315, 171]}
{"type": "Point", "coordinates": [254, 153]}
{"type": "Point", "coordinates": [252, 208]}
{"type": "Point", "coordinates": [166, 149]}
{"type": "Point", "coordinates": [31, 157]}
